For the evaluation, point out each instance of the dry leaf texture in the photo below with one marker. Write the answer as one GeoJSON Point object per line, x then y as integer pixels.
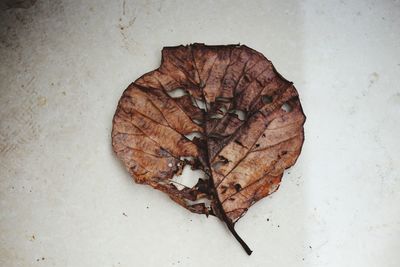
{"type": "Point", "coordinates": [224, 110]}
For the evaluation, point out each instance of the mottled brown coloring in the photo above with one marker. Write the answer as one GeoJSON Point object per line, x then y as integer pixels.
{"type": "Point", "coordinates": [248, 116]}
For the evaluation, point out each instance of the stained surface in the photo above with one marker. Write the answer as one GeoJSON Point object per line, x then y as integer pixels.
{"type": "Point", "coordinates": [248, 119]}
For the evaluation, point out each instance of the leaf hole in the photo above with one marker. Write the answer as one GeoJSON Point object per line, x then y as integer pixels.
{"type": "Point", "coordinates": [188, 178]}
{"type": "Point", "coordinates": [216, 116]}
{"type": "Point", "coordinates": [222, 158]}
{"type": "Point", "coordinates": [257, 145]}
{"type": "Point", "coordinates": [286, 107]}
{"type": "Point", "coordinates": [191, 136]}
{"type": "Point", "coordinates": [223, 109]}
{"type": "Point", "coordinates": [205, 201]}
{"type": "Point", "coordinates": [240, 114]}
{"type": "Point", "coordinates": [198, 122]}
{"type": "Point", "coordinates": [266, 99]}
{"type": "Point", "coordinates": [179, 92]}
{"type": "Point", "coordinates": [199, 103]}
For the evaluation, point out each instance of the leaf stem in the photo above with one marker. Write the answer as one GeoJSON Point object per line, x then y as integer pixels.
{"type": "Point", "coordinates": [220, 212]}
{"type": "Point", "coordinates": [238, 238]}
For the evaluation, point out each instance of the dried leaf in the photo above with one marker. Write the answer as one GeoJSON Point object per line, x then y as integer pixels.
{"type": "Point", "coordinates": [246, 120]}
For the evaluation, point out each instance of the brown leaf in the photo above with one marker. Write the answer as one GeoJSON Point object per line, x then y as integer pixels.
{"type": "Point", "coordinates": [248, 121]}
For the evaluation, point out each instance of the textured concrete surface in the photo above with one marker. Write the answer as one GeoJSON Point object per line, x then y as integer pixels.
{"type": "Point", "coordinates": [66, 201]}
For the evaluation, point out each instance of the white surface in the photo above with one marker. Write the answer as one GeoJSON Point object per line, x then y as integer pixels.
{"type": "Point", "coordinates": [64, 65]}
